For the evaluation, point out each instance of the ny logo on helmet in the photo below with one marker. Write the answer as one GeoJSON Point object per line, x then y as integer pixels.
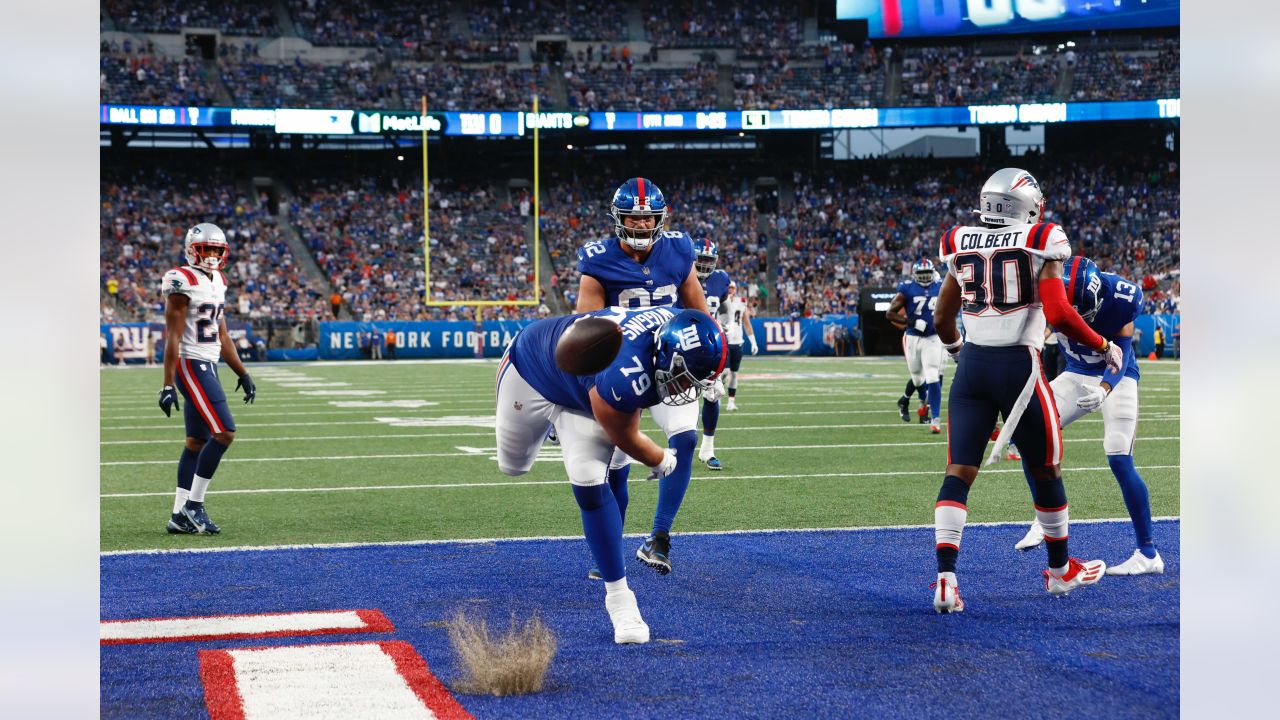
{"type": "Point", "coordinates": [689, 338]}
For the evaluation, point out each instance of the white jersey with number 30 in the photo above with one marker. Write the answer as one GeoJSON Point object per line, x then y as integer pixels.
{"type": "Point", "coordinates": [207, 293]}
{"type": "Point", "coordinates": [998, 270]}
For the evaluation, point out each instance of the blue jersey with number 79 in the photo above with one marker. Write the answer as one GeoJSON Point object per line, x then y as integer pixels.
{"type": "Point", "coordinates": [1121, 303]}
{"type": "Point", "coordinates": [632, 285]}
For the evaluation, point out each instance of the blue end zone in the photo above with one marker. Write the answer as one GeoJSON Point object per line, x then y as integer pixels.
{"type": "Point", "coordinates": [802, 624]}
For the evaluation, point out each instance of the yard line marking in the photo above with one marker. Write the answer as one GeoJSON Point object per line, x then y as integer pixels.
{"type": "Point", "coordinates": [531, 483]}
{"type": "Point", "coordinates": [258, 625]}
{"type": "Point", "coordinates": [578, 538]}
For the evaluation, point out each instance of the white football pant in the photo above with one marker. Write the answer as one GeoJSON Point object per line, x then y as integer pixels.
{"type": "Point", "coordinates": [1119, 412]}
{"type": "Point", "coordinates": [924, 357]}
{"type": "Point", "coordinates": [673, 419]}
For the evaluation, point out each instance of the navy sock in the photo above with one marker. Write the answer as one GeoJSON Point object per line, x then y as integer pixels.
{"type": "Point", "coordinates": [948, 524]}
{"type": "Point", "coordinates": [733, 392]}
{"type": "Point", "coordinates": [1051, 493]}
{"type": "Point", "coordinates": [210, 456]}
{"type": "Point", "coordinates": [922, 391]}
{"type": "Point", "coordinates": [710, 417]}
{"type": "Point", "coordinates": [621, 493]}
{"type": "Point", "coordinates": [187, 467]}
{"type": "Point", "coordinates": [1136, 500]}
{"type": "Point", "coordinates": [935, 399]}
{"type": "Point", "coordinates": [909, 390]}
{"type": "Point", "coordinates": [602, 526]}
{"type": "Point", "coordinates": [671, 488]}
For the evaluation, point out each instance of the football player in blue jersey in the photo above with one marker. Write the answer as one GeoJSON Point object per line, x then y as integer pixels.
{"type": "Point", "coordinates": [667, 358]}
{"type": "Point", "coordinates": [647, 265]}
{"type": "Point", "coordinates": [913, 306]}
{"type": "Point", "coordinates": [715, 285]}
{"type": "Point", "coordinates": [1109, 304]}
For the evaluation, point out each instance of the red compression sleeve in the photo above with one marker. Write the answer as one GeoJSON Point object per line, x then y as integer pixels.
{"type": "Point", "coordinates": [1059, 313]}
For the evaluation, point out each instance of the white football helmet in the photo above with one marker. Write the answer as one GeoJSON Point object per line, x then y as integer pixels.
{"type": "Point", "coordinates": [206, 247]}
{"type": "Point", "coordinates": [1011, 197]}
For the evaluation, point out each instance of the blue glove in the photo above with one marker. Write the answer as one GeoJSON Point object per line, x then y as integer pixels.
{"type": "Point", "coordinates": [168, 399]}
{"type": "Point", "coordinates": [250, 390]}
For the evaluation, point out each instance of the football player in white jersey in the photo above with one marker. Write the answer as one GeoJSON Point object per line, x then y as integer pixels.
{"type": "Point", "coordinates": [735, 318]}
{"type": "Point", "coordinates": [1006, 276]}
{"type": "Point", "coordinates": [195, 339]}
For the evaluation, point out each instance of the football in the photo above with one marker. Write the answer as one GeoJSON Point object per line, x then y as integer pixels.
{"type": "Point", "coordinates": [588, 346]}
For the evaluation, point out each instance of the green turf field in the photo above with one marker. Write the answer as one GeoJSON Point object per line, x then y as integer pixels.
{"type": "Point", "coordinates": [816, 442]}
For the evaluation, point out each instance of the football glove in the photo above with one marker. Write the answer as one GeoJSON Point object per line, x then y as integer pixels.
{"type": "Point", "coordinates": [921, 325]}
{"type": "Point", "coordinates": [1091, 397]}
{"type": "Point", "coordinates": [250, 390]}
{"type": "Point", "coordinates": [664, 468]}
{"type": "Point", "coordinates": [754, 347]}
{"type": "Point", "coordinates": [714, 391]}
{"type": "Point", "coordinates": [168, 400]}
{"type": "Point", "coordinates": [1113, 356]}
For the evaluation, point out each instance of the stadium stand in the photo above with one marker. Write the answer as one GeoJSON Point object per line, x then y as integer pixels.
{"type": "Point", "coordinates": [144, 79]}
{"type": "Point", "coordinates": [233, 17]}
{"type": "Point", "coordinates": [960, 75]}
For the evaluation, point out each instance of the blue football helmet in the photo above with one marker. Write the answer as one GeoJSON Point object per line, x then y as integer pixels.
{"type": "Point", "coordinates": [1084, 286]}
{"type": "Point", "coordinates": [923, 272]}
{"type": "Point", "coordinates": [638, 197]}
{"type": "Point", "coordinates": [689, 353]}
{"type": "Point", "coordinates": [706, 254]}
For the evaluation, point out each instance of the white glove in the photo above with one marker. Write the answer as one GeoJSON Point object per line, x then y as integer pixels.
{"type": "Point", "coordinates": [714, 391]}
{"type": "Point", "coordinates": [664, 468]}
{"type": "Point", "coordinates": [1113, 356]}
{"type": "Point", "coordinates": [921, 325]}
{"type": "Point", "coordinates": [1091, 397]}
{"type": "Point", "coordinates": [754, 348]}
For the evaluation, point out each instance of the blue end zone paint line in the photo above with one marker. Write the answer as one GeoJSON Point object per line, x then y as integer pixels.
{"type": "Point", "coordinates": [804, 624]}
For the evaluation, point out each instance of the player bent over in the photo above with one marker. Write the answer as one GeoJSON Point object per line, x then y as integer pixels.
{"type": "Point", "coordinates": [1109, 303]}
{"type": "Point", "coordinates": [195, 338]}
{"type": "Point", "coordinates": [667, 358]}
{"type": "Point", "coordinates": [1001, 274]}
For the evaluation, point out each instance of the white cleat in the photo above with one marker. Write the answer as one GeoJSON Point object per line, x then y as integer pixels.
{"type": "Point", "coordinates": [935, 426]}
{"type": "Point", "coordinates": [1139, 564]}
{"type": "Point", "coordinates": [1033, 538]}
{"type": "Point", "coordinates": [946, 594]}
{"type": "Point", "coordinates": [1078, 574]}
{"type": "Point", "coordinates": [731, 405]}
{"type": "Point", "coordinates": [628, 626]}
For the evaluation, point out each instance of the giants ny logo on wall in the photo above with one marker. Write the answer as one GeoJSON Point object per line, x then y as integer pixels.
{"type": "Point", "coordinates": [781, 335]}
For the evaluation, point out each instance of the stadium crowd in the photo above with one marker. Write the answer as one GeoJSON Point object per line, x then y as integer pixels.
{"type": "Point", "coordinates": [126, 78]}
{"type": "Point", "coordinates": [233, 17]}
{"type": "Point", "coordinates": [847, 76]}
{"type": "Point", "coordinates": [959, 75]}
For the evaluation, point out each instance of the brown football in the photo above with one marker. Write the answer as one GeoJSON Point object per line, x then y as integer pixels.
{"type": "Point", "coordinates": [588, 346]}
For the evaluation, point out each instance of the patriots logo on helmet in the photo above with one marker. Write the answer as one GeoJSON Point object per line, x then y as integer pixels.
{"type": "Point", "coordinates": [1026, 181]}
{"type": "Point", "coordinates": [176, 283]}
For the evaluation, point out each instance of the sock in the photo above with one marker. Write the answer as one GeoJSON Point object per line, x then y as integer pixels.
{"type": "Point", "coordinates": [615, 586]}
{"type": "Point", "coordinates": [671, 488]}
{"type": "Point", "coordinates": [733, 383]}
{"type": "Point", "coordinates": [935, 399]}
{"type": "Point", "coordinates": [908, 391]}
{"type": "Point", "coordinates": [198, 487]}
{"type": "Point", "coordinates": [186, 467]}
{"type": "Point", "coordinates": [949, 515]}
{"type": "Point", "coordinates": [708, 445]}
{"type": "Point", "coordinates": [621, 492]}
{"type": "Point", "coordinates": [710, 417]}
{"type": "Point", "coordinates": [1051, 510]}
{"type": "Point", "coordinates": [1136, 500]}
{"type": "Point", "coordinates": [602, 526]}
{"type": "Point", "coordinates": [922, 390]}
{"type": "Point", "coordinates": [207, 462]}
{"type": "Point", "coordinates": [180, 498]}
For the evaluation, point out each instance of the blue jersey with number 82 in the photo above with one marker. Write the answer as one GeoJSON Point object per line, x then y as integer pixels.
{"type": "Point", "coordinates": [630, 284]}
{"type": "Point", "coordinates": [1121, 304]}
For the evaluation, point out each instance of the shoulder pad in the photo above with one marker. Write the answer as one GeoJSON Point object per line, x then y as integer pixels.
{"type": "Point", "coordinates": [947, 246]}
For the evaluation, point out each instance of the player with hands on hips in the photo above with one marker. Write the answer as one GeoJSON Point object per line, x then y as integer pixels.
{"type": "Point", "coordinates": [1006, 276]}
{"type": "Point", "coordinates": [735, 318]}
{"type": "Point", "coordinates": [1109, 304]}
{"type": "Point", "coordinates": [715, 286]}
{"type": "Point", "coordinates": [667, 358]}
{"type": "Point", "coordinates": [647, 265]}
{"type": "Point", "coordinates": [913, 307]}
{"type": "Point", "coordinates": [196, 339]}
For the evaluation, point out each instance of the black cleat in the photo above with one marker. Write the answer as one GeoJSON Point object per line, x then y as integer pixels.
{"type": "Point", "coordinates": [180, 525]}
{"type": "Point", "coordinates": [655, 553]}
{"type": "Point", "coordinates": [195, 514]}
{"type": "Point", "coordinates": [902, 408]}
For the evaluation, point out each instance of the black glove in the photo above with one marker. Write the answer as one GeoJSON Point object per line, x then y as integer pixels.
{"type": "Point", "coordinates": [250, 390]}
{"type": "Point", "coordinates": [168, 399]}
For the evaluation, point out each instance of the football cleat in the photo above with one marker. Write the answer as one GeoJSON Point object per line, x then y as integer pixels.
{"type": "Point", "coordinates": [594, 573]}
{"type": "Point", "coordinates": [655, 551]}
{"type": "Point", "coordinates": [552, 437]}
{"type": "Point", "coordinates": [935, 426]}
{"type": "Point", "coordinates": [711, 462]}
{"type": "Point", "coordinates": [731, 405]}
{"type": "Point", "coordinates": [628, 626]}
{"type": "Point", "coordinates": [946, 594]}
{"type": "Point", "coordinates": [923, 414]}
{"type": "Point", "coordinates": [1078, 574]}
{"type": "Point", "coordinates": [199, 519]}
{"type": "Point", "coordinates": [1033, 538]}
{"type": "Point", "coordinates": [1139, 564]}
{"type": "Point", "coordinates": [902, 408]}
{"type": "Point", "coordinates": [1012, 454]}
{"type": "Point", "coordinates": [180, 525]}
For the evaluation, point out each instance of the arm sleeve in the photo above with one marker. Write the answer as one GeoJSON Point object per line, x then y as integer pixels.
{"type": "Point", "coordinates": [1059, 313]}
{"type": "Point", "coordinates": [1125, 343]}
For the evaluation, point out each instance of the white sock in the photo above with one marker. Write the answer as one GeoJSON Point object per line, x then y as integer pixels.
{"type": "Point", "coordinates": [198, 486]}
{"type": "Point", "coordinates": [708, 445]}
{"type": "Point", "coordinates": [1059, 571]}
{"type": "Point", "coordinates": [180, 499]}
{"type": "Point", "coordinates": [615, 586]}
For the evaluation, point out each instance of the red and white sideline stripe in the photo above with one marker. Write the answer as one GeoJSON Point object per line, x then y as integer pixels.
{"type": "Point", "coordinates": [222, 627]}
{"type": "Point", "coordinates": [366, 680]}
